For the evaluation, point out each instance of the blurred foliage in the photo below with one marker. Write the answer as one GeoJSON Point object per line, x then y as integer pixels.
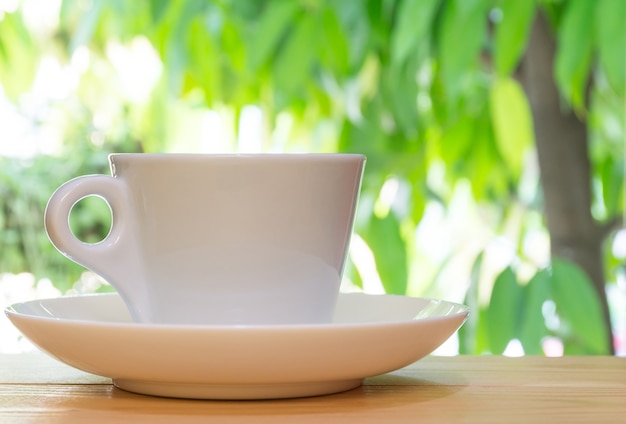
{"type": "Point", "coordinates": [426, 89]}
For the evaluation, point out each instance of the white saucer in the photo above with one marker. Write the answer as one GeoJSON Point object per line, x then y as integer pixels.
{"type": "Point", "coordinates": [370, 335]}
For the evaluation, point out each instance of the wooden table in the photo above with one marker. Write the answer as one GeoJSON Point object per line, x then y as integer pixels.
{"type": "Point", "coordinates": [468, 389]}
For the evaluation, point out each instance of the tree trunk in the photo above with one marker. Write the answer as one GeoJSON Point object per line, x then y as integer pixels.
{"type": "Point", "coordinates": [562, 149]}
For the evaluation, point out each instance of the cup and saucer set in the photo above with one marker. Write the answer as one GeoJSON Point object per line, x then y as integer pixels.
{"type": "Point", "coordinates": [227, 271]}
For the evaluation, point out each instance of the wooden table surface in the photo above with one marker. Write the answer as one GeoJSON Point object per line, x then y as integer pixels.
{"type": "Point", "coordinates": [462, 389]}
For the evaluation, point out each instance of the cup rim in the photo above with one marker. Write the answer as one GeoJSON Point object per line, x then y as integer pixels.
{"type": "Point", "coordinates": [256, 156]}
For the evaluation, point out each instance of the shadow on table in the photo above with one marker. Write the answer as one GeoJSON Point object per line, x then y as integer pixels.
{"type": "Point", "coordinates": [379, 398]}
{"type": "Point", "coordinates": [382, 395]}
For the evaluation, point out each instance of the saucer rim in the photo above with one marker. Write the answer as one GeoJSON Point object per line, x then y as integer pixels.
{"type": "Point", "coordinates": [10, 310]}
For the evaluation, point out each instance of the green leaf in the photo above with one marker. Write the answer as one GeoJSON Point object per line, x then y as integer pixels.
{"type": "Point", "coordinates": [461, 36]}
{"type": "Point", "coordinates": [573, 57]}
{"type": "Point", "coordinates": [400, 93]}
{"type": "Point", "coordinates": [157, 9]}
{"type": "Point", "coordinates": [234, 44]}
{"type": "Point", "coordinates": [417, 178]}
{"type": "Point", "coordinates": [384, 238]}
{"type": "Point", "coordinates": [172, 39]}
{"type": "Point", "coordinates": [503, 312]}
{"type": "Point", "coordinates": [272, 26]}
{"type": "Point", "coordinates": [353, 18]}
{"type": "Point", "coordinates": [511, 33]}
{"type": "Point", "coordinates": [577, 303]}
{"type": "Point", "coordinates": [334, 50]}
{"type": "Point", "coordinates": [470, 151]}
{"type": "Point", "coordinates": [206, 68]}
{"type": "Point", "coordinates": [457, 142]}
{"type": "Point", "coordinates": [512, 122]}
{"type": "Point", "coordinates": [414, 21]}
{"type": "Point", "coordinates": [610, 26]}
{"type": "Point", "coordinates": [295, 59]}
{"type": "Point", "coordinates": [613, 180]}
{"type": "Point", "coordinates": [533, 327]}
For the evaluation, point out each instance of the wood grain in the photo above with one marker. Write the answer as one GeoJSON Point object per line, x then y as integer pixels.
{"type": "Point", "coordinates": [463, 389]}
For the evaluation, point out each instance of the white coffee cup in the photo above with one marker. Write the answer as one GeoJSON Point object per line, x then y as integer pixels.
{"type": "Point", "coordinates": [241, 239]}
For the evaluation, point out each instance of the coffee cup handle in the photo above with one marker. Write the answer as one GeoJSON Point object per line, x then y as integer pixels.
{"type": "Point", "coordinates": [112, 256]}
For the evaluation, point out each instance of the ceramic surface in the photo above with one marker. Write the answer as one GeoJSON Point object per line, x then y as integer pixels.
{"type": "Point", "coordinates": [219, 239]}
{"type": "Point", "coordinates": [369, 335]}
